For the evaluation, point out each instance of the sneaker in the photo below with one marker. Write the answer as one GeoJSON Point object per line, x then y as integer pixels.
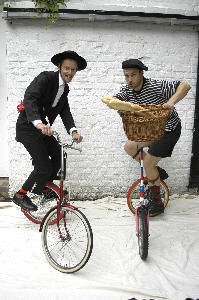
{"type": "Point", "coordinates": [24, 201]}
{"type": "Point", "coordinates": [163, 173]}
{"type": "Point", "coordinates": [155, 208]}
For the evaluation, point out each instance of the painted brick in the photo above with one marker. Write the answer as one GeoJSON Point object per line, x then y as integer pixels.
{"type": "Point", "coordinates": [103, 168]}
{"type": "Point", "coordinates": [187, 7]}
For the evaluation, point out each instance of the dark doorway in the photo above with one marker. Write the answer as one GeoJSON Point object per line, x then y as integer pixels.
{"type": "Point", "coordinates": [194, 169]}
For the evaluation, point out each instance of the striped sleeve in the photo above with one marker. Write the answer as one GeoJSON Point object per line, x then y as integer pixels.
{"type": "Point", "coordinates": [169, 88]}
{"type": "Point", "coordinates": [122, 95]}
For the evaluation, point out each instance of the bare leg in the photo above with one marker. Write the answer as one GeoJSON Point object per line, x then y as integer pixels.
{"type": "Point", "coordinates": [132, 148]}
{"type": "Point", "coordinates": [150, 163]}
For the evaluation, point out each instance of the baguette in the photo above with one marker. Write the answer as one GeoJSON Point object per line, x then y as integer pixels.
{"type": "Point", "coordinates": [126, 106]}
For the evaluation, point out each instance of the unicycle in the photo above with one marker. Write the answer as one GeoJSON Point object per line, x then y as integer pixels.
{"type": "Point", "coordinates": [138, 203]}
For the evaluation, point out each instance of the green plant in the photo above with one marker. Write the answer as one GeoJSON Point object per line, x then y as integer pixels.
{"type": "Point", "coordinates": [51, 7]}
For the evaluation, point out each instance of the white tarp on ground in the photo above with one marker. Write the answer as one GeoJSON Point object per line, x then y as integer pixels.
{"type": "Point", "coordinates": [115, 270]}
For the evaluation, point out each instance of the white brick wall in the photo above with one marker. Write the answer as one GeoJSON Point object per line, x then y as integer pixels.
{"type": "Point", "coordinates": [103, 167]}
{"type": "Point", "coordinates": [185, 7]}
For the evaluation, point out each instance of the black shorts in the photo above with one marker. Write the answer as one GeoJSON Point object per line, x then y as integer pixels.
{"type": "Point", "coordinates": [164, 146]}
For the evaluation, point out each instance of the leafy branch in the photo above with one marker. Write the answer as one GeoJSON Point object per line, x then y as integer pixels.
{"type": "Point", "coordinates": [51, 7]}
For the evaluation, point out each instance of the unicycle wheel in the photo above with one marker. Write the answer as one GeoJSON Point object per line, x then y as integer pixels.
{"type": "Point", "coordinates": [143, 234]}
{"type": "Point", "coordinates": [133, 195]}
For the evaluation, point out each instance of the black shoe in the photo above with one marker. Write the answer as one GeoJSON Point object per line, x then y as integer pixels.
{"type": "Point", "coordinates": [163, 173]}
{"type": "Point", "coordinates": [24, 202]}
{"type": "Point", "coordinates": [155, 208]}
{"type": "Point", "coordinates": [49, 194]}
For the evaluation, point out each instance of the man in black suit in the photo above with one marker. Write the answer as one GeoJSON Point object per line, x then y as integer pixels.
{"type": "Point", "coordinates": [46, 97]}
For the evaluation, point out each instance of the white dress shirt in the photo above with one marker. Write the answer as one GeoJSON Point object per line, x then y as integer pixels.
{"type": "Point", "coordinates": [58, 96]}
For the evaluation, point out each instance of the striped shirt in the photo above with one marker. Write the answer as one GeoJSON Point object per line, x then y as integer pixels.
{"type": "Point", "coordinates": [152, 92]}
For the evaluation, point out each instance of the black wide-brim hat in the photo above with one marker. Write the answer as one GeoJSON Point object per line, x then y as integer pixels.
{"type": "Point", "coordinates": [133, 63]}
{"type": "Point", "coordinates": [58, 58]}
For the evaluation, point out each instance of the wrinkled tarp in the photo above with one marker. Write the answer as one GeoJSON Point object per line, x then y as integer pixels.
{"type": "Point", "coordinates": [115, 270]}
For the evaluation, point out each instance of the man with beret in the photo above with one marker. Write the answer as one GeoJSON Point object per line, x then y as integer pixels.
{"type": "Point", "coordinates": [142, 90]}
{"type": "Point", "coordinates": [45, 98]}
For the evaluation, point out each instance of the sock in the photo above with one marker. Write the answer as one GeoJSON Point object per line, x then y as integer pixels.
{"type": "Point", "coordinates": [21, 193]}
{"type": "Point", "coordinates": [155, 193]}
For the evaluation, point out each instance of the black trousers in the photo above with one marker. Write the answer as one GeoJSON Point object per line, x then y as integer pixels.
{"type": "Point", "coordinates": [46, 155]}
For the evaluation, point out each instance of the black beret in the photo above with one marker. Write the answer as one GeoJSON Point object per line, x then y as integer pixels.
{"type": "Point", "coordinates": [133, 63]}
{"type": "Point", "coordinates": [58, 58]}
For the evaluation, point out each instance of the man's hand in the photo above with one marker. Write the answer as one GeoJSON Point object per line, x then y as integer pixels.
{"type": "Point", "coordinates": [180, 93]}
{"type": "Point", "coordinates": [45, 129]}
{"type": "Point", "coordinates": [78, 138]}
{"type": "Point", "coordinates": [169, 106]}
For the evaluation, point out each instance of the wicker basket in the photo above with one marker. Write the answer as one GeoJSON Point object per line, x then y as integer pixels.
{"type": "Point", "coordinates": [145, 129]}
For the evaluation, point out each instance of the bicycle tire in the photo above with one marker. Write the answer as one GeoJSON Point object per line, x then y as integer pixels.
{"type": "Point", "coordinates": [69, 251]}
{"type": "Point", "coordinates": [143, 234]}
{"type": "Point", "coordinates": [133, 195]}
{"type": "Point", "coordinates": [43, 204]}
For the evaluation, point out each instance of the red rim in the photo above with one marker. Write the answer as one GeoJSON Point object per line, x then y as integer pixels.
{"type": "Point", "coordinates": [134, 185]}
{"type": "Point", "coordinates": [55, 188]}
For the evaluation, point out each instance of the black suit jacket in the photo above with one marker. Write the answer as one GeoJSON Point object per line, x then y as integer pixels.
{"type": "Point", "coordinates": [38, 100]}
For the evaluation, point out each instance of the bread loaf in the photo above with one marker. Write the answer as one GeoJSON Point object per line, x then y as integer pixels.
{"type": "Point", "coordinates": [126, 106]}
